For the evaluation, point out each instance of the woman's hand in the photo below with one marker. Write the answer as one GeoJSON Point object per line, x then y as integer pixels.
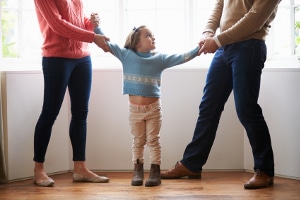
{"type": "Point", "coordinates": [100, 41]}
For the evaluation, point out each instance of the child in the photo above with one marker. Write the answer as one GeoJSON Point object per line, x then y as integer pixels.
{"type": "Point", "coordinates": [142, 70]}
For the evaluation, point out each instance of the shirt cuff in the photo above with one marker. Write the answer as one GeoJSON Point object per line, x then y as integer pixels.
{"type": "Point", "coordinates": [217, 41]}
{"type": "Point", "coordinates": [208, 30]}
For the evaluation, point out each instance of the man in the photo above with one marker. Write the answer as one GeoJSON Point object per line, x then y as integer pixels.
{"type": "Point", "coordinates": [240, 53]}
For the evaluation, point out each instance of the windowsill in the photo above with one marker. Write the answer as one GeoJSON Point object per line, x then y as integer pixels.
{"type": "Point", "coordinates": [111, 63]}
{"type": "Point", "coordinates": [283, 62]}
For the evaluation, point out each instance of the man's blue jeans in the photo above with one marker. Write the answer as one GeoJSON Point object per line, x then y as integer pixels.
{"type": "Point", "coordinates": [236, 67]}
{"type": "Point", "coordinates": [60, 74]}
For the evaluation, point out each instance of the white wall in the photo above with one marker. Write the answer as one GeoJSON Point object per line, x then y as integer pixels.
{"type": "Point", "coordinates": [24, 104]}
{"type": "Point", "coordinates": [280, 100]}
{"type": "Point", "coordinates": [109, 140]}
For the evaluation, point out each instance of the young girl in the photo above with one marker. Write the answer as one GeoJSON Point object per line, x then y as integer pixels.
{"type": "Point", "coordinates": [142, 70]}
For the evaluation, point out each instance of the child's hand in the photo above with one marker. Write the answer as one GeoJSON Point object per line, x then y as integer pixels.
{"type": "Point", "coordinates": [95, 20]}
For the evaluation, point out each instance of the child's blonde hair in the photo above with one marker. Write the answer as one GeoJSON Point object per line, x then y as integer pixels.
{"type": "Point", "coordinates": [133, 38]}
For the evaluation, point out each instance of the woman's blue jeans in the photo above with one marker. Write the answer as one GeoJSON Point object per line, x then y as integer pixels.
{"type": "Point", "coordinates": [60, 74]}
{"type": "Point", "coordinates": [236, 67]}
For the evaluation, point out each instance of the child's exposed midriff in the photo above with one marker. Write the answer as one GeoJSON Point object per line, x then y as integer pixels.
{"type": "Point", "coordinates": [140, 100]}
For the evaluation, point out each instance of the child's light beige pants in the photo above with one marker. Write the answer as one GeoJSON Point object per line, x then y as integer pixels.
{"type": "Point", "coordinates": [145, 122]}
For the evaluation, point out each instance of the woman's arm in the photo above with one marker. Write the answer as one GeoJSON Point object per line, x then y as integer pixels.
{"type": "Point", "coordinates": [49, 15]}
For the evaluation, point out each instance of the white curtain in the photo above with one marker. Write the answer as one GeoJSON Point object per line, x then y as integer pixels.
{"type": "Point", "coordinates": [3, 175]}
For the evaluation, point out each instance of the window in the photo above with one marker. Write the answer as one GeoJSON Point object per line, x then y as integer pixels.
{"type": "Point", "coordinates": [176, 24]}
{"type": "Point", "coordinates": [20, 33]}
{"type": "Point", "coordinates": [169, 21]}
{"type": "Point", "coordinates": [285, 29]}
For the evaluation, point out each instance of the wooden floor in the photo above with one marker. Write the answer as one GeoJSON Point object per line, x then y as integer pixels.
{"type": "Point", "coordinates": [213, 185]}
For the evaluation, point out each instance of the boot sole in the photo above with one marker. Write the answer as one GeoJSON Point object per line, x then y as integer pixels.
{"type": "Point", "coordinates": [152, 185]}
{"type": "Point", "coordinates": [136, 183]}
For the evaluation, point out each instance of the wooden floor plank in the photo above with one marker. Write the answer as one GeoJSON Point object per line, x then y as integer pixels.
{"type": "Point", "coordinates": [212, 186]}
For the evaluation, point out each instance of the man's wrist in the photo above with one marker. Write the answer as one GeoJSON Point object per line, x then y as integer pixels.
{"type": "Point", "coordinates": [217, 41]}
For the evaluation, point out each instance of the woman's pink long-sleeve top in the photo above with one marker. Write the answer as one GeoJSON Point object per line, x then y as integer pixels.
{"type": "Point", "coordinates": [65, 29]}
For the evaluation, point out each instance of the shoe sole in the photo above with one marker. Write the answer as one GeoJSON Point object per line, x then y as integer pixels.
{"type": "Point", "coordinates": [258, 187]}
{"type": "Point", "coordinates": [179, 177]}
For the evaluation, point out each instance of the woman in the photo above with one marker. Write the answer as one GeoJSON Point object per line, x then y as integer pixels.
{"type": "Point", "coordinates": [66, 64]}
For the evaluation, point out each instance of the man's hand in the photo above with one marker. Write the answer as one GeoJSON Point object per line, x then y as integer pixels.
{"type": "Point", "coordinates": [205, 35]}
{"type": "Point", "coordinates": [208, 46]}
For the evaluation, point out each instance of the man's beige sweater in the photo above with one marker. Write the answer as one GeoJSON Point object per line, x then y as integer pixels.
{"type": "Point", "coordinates": [241, 20]}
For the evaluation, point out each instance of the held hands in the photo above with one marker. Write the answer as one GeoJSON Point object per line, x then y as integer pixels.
{"type": "Point", "coordinates": [99, 40]}
{"type": "Point", "coordinates": [207, 44]}
{"type": "Point", "coordinates": [95, 20]}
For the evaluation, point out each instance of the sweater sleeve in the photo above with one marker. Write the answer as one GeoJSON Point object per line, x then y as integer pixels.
{"type": "Point", "coordinates": [50, 13]}
{"type": "Point", "coordinates": [176, 59]}
{"type": "Point", "coordinates": [213, 22]}
{"type": "Point", "coordinates": [118, 51]}
{"type": "Point", "coordinates": [88, 25]}
{"type": "Point", "coordinates": [115, 49]}
{"type": "Point", "coordinates": [241, 19]}
{"type": "Point", "coordinates": [98, 30]}
{"type": "Point", "coordinates": [256, 18]}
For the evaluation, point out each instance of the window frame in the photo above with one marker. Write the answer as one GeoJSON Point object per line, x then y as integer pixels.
{"type": "Point", "coordinates": [191, 32]}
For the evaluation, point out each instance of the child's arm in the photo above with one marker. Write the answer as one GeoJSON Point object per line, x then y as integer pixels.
{"type": "Point", "coordinates": [114, 49]}
{"type": "Point", "coordinates": [95, 21]}
{"type": "Point", "coordinates": [98, 30]}
{"type": "Point", "coordinates": [177, 59]}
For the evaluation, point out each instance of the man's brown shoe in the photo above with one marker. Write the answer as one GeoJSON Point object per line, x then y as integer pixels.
{"type": "Point", "coordinates": [259, 180]}
{"type": "Point", "coordinates": [179, 171]}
